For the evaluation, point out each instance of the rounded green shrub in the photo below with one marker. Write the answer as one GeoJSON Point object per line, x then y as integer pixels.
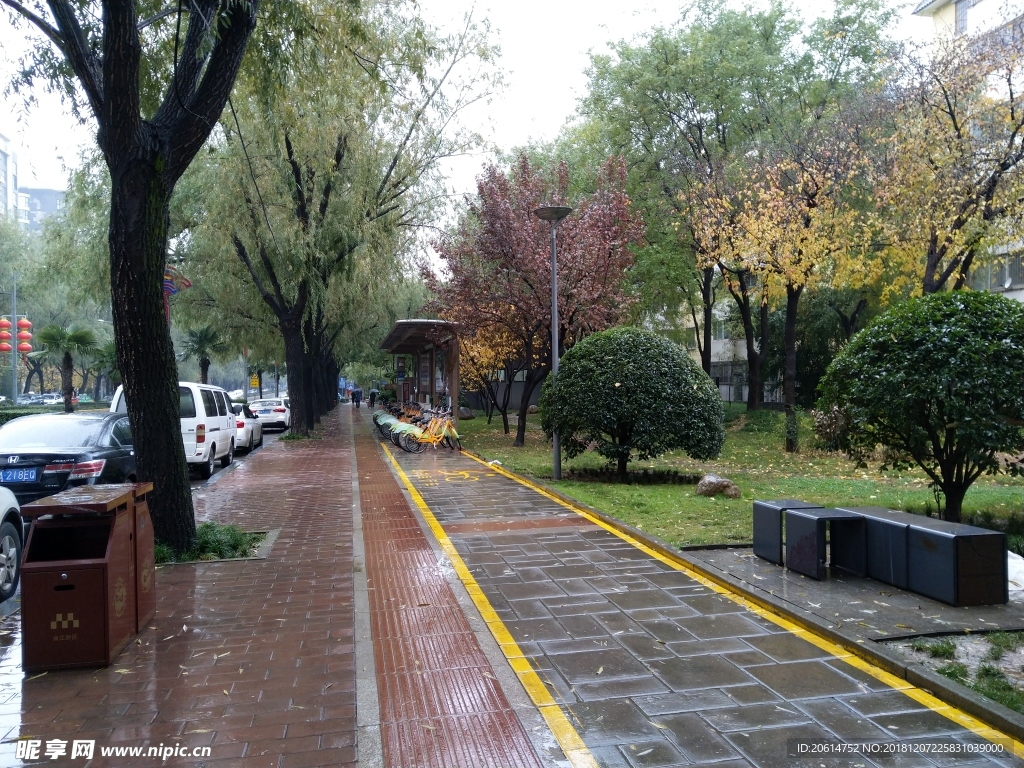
{"type": "Point", "coordinates": [938, 381]}
{"type": "Point", "coordinates": [630, 392]}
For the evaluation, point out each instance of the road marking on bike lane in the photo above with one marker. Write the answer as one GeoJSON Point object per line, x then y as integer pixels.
{"type": "Point", "coordinates": [565, 734]}
{"type": "Point", "coordinates": [919, 695]}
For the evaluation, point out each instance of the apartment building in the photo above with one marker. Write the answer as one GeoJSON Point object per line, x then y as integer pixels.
{"type": "Point", "coordinates": [10, 203]}
{"type": "Point", "coordinates": [969, 17]}
{"type": "Point", "coordinates": [39, 204]}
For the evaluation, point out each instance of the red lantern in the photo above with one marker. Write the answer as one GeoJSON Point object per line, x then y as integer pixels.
{"type": "Point", "coordinates": [5, 336]}
{"type": "Point", "coordinates": [5, 347]}
{"type": "Point", "coordinates": [24, 324]}
{"type": "Point", "coordinates": [24, 336]}
{"type": "Point", "coordinates": [25, 347]}
{"type": "Point", "coordinates": [5, 324]}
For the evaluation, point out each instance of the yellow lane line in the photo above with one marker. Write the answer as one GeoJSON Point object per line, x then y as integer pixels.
{"type": "Point", "coordinates": [566, 736]}
{"type": "Point", "coordinates": [917, 694]}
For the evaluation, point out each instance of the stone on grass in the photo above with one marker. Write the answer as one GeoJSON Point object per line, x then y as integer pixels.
{"type": "Point", "coordinates": [532, 409]}
{"type": "Point", "coordinates": [712, 485]}
{"type": "Point", "coordinates": [466, 413]}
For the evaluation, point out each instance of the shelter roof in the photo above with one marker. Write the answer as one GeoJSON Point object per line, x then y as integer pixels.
{"type": "Point", "coordinates": [411, 336]}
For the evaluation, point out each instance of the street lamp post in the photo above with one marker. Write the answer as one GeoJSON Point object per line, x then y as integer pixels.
{"type": "Point", "coordinates": [554, 214]}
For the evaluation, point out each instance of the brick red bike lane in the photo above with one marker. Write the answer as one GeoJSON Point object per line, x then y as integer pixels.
{"type": "Point", "coordinates": [441, 704]}
{"type": "Point", "coordinates": [254, 659]}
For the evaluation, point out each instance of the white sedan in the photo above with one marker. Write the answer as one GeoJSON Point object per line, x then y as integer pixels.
{"type": "Point", "coordinates": [272, 412]}
{"type": "Point", "coordinates": [248, 428]}
{"type": "Point", "coordinates": [12, 537]}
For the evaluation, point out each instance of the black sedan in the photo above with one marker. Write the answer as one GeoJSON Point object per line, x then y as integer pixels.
{"type": "Point", "coordinates": [43, 454]}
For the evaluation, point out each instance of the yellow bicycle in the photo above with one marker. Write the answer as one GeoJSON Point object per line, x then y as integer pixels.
{"type": "Point", "coordinates": [439, 431]}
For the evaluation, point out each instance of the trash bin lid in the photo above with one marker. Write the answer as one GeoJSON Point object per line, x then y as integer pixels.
{"type": "Point", "coordinates": [137, 489]}
{"type": "Point", "coordinates": [85, 499]}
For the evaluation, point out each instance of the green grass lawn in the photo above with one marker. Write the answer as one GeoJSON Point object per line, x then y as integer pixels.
{"type": "Point", "coordinates": [753, 458]}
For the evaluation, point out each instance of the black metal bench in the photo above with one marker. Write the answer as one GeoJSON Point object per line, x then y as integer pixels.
{"type": "Point", "coordinates": [950, 562]}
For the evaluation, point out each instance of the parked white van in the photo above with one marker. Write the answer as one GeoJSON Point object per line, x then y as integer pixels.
{"type": "Point", "coordinates": [207, 424]}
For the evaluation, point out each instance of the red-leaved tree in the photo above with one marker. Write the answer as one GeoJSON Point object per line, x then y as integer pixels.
{"type": "Point", "coordinates": [497, 264]}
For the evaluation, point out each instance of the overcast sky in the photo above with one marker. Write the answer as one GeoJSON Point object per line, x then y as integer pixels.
{"type": "Point", "coordinates": [544, 47]}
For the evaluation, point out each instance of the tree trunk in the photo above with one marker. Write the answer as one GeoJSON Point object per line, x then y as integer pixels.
{"type": "Point", "coordinates": [307, 387]}
{"type": "Point", "coordinates": [623, 472]}
{"type": "Point", "coordinates": [789, 374]}
{"type": "Point", "coordinates": [204, 370]}
{"type": "Point", "coordinates": [954, 494]}
{"type": "Point", "coordinates": [67, 371]}
{"type": "Point", "coordinates": [306, 372]}
{"type": "Point", "coordinates": [319, 396]}
{"type": "Point", "coordinates": [311, 357]}
{"type": "Point", "coordinates": [707, 296]}
{"type": "Point", "coordinates": [145, 354]}
{"type": "Point", "coordinates": [533, 377]}
{"type": "Point", "coordinates": [33, 369]}
{"type": "Point", "coordinates": [97, 387]}
{"type": "Point", "coordinates": [291, 330]}
{"type": "Point", "coordinates": [756, 348]}
{"type": "Point", "coordinates": [484, 396]}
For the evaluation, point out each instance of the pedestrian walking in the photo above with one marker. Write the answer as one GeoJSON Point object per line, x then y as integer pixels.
{"type": "Point", "coordinates": [357, 396]}
{"type": "Point", "coordinates": [373, 396]}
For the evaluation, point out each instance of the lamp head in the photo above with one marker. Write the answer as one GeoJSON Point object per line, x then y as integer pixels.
{"type": "Point", "coordinates": [552, 213]}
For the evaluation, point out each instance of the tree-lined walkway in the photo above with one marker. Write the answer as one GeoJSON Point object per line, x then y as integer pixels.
{"type": "Point", "coordinates": [628, 660]}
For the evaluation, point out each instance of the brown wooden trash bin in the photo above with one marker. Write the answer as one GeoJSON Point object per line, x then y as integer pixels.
{"type": "Point", "coordinates": [78, 578]}
{"type": "Point", "coordinates": [145, 562]}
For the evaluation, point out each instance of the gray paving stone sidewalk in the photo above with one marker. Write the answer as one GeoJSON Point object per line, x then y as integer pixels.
{"type": "Point", "coordinates": [652, 667]}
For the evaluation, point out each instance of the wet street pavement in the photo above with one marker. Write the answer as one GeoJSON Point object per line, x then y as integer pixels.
{"type": "Point", "coordinates": [656, 666]}
{"type": "Point", "coordinates": [428, 610]}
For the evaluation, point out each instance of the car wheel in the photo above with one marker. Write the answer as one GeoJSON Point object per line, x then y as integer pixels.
{"type": "Point", "coordinates": [10, 560]}
{"type": "Point", "coordinates": [206, 468]}
{"type": "Point", "coordinates": [226, 459]}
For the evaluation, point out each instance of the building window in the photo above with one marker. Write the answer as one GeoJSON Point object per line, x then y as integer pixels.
{"type": "Point", "coordinates": [962, 7]}
{"type": "Point", "coordinates": [1002, 273]}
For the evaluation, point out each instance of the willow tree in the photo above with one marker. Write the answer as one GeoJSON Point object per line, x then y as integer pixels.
{"type": "Point", "coordinates": [155, 81]}
{"type": "Point", "coordinates": [333, 165]}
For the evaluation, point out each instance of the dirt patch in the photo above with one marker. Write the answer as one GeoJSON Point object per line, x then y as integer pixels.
{"type": "Point", "coordinates": [991, 664]}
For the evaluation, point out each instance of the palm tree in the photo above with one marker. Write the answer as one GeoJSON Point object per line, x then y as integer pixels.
{"type": "Point", "coordinates": [203, 344]}
{"type": "Point", "coordinates": [60, 345]}
{"type": "Point", "coordinates": [105, 366]}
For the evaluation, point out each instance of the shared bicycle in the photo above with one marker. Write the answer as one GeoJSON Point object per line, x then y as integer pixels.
{"type": "Point", "coordinates": [412, 427]}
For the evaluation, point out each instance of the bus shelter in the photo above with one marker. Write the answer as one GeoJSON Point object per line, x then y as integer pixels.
{"type": "Point", "coordinates": [426, 361]}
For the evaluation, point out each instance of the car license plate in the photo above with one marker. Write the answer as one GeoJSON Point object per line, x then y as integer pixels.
{"type": "Point", "coordinates": [18, 475]}
{"type": "Point", "coordinates": [264, 413]}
